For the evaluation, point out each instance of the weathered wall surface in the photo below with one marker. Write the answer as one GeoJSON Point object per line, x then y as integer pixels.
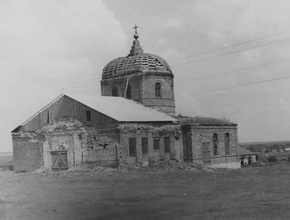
{"type": "Point", "coordinates": [27, 152]}
{"type": "Point", "coordinates": [153, 155]}
{"type": "Point", "coordinates": [135, 82]}
{"type": "Point", "coordinates": [101, 145]}
{"type": "Point", "coordinates": [165, 103]}
{"type": "Point", "coordinates": [201, 134]}
{"type": "Point", "coordinates": [143, 90]}
{"type": "Point", "coordinates": [82, 143]}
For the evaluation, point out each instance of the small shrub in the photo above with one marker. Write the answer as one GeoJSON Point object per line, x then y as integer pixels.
{"type": "Point", "coordinates": [272, 159]}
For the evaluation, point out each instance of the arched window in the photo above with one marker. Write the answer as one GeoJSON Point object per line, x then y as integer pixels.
{"type": "Point", "coordinates": [128, 92]}
{"type": "Point", "coordinates": [215, 144]}
{"type": "Point", "coordinates": [158, 89]}
{"type": "Point", "coordinates": [115, 91]}
{"type": "Point", "coordinates": [227, 143]}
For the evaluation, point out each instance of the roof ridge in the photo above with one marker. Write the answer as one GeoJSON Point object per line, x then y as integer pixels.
{"type": "Point", "coordinates": [45, 107]}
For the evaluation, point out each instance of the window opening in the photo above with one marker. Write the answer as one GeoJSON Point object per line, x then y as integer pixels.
{"type": "Point", "coordinates": [227, 143]}
{"type": "Point", "coordinates": [88, 115]}
{"type": "Point", "coordinates": [132, 147]}
{"type": "Point", "coordinates": [128, 92]}
{"type": "Point", "coordinates": [156, 144]}
{"type": "Point", "coordinates": [167, 144]}
{"type": "Point", "coordinates": [115, 91]}
{"type": "Point", "coordinates": [158, 89]}
{"type": "Point", "coordinates": [215, 144]}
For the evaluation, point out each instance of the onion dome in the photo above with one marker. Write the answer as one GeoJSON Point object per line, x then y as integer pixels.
{"type": "Point", "coordinates": [137, 61]}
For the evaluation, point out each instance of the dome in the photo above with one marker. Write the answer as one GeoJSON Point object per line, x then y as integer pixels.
{"type": "Point", "coordinates": [143, 62]}
{"type": "Point", "coordinates": [137, 61]}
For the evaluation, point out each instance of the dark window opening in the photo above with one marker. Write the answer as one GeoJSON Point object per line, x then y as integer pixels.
{"type": "Point", "coordinates": [132, 147]}
{"type": "Point", "coordinates": [128, 92]}
{"type": "Point", "coordinates": [227, 143]}
{"type": "Point", "coordinates": [156, 144]}
{"type": "Point", "coordinates": [215, 144]}
{"type": "Point", "coordinates": [167, 144]}
{"type": "Point", "coordinates": [144, 145]}
{"type": "Point", "coordinates": [88, 115]}
{"type": "Point", "coordinates": [158, 89]}
{"type": "Point", "coordinates": [115, 91]}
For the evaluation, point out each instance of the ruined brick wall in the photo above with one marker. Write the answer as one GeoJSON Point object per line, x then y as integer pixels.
{"type": "Point", "coordinates": [27, 152]}
{"type": "Point", "coordinates": [153, 155]}
{"type": "Point", "coordinates": [84, 144]}
{"type": "Point", "coordinates": [63, 135]}
{"type": "Point", "coordinates": [202, 134]}
{"type": "Point", "coordinates": [101, 145]}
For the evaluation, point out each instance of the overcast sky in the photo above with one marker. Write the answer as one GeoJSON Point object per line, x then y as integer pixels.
{"type": "Point", "coordinates": [52, 46]}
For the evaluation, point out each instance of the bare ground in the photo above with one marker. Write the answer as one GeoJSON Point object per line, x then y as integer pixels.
{"type": "Point", "coordinates": [151, 193]}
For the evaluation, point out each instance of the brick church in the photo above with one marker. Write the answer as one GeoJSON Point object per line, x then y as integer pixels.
{"type": "Point", "coordinates": [133, 123]}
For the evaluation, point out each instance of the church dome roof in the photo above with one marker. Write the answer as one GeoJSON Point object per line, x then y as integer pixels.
{"type": "Point", "coordinates": [136, 61]}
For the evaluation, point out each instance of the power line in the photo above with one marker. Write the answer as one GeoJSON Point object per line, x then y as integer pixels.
{"type": "Point", "coordinates": [234, 45]}
{"type": "Point", "coordinates": [242, 85]}
{"type": "Point", "coordinates": [232, 71]}
{"type": "Point", "coordinates": [261, 45]}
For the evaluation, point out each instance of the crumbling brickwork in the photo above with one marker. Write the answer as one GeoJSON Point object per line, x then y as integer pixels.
{"type": "Point", "coordinates": [27, 152]}
{"type": "Point", "coordinates": [101, 145]}
{"type": "Point", "coordinates": [151, 133]}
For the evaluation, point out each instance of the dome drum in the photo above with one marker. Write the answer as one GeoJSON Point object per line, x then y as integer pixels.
{"type": "Point", "coordinates": [142, 77]}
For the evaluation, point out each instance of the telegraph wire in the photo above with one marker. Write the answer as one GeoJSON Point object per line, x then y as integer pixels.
{"type": "Point", "coordinates": [236, 51]}
{"type": "Point", "coordinates": [62, 85]}
{"type": "Point", "coordinates": [242, 85]}
{"type": "Point", "coordinates": [234, 45]}
{"type": "Point", "coordinates": [232, 71]}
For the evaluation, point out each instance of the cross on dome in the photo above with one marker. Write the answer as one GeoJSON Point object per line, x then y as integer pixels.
{"type": "Point", "coordinates": [135, 28]}
{"type": "Point", "coordinates": [136, 34]}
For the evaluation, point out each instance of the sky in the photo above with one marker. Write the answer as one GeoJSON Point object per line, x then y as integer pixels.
{"type": "Point", "coordinates": [230, 58]}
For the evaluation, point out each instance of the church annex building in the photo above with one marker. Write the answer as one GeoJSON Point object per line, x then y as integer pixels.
{"type": "Point", "coordinates": [133, 123]}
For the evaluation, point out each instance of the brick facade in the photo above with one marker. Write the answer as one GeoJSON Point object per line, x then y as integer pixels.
{"type": "Point", "coordinates": [27, 152]}
{"type": "Point", "coordinates": [143, 89]}
{"type": "Point", "coordinates": [205, 134]}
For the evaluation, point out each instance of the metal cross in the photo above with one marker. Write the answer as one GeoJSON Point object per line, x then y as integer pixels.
{"type": "Point", "coordinates": [135, 28]}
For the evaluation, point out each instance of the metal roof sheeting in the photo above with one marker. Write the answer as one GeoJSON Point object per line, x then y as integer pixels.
{"type": "Point", "coordinates": [123, 110]}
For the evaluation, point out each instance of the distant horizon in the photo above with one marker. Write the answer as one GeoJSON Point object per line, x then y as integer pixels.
{"type": "Point", "coordinates": [247, 142]}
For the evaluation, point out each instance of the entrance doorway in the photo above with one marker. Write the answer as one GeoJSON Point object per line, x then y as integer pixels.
{"type": "Point", "coordinates": [59, 160]}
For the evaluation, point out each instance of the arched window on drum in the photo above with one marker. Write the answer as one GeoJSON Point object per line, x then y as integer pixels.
{"type": "Point", "coordinates": [158, 89]}
{"type": "Point", "coordinates": [115, 91]}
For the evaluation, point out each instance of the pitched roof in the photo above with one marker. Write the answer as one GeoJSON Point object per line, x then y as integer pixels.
{"type": "Point", "coordinates": [123, 110]}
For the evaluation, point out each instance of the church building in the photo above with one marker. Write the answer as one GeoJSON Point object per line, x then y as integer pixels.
{"type": "Point", "coordinates": [133, 123]}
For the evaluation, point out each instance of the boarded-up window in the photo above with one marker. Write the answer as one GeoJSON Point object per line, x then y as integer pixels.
{"type": "Point", "coordinates": [144, 145]}
{"type": "Point", "coordinates": [156, 144]}
{"type": "Point", "coordinates": [227, 143]}
{"type": "Point", "coordinates": [167, 144]}
{"type": "Point", "coordinates": [132, 147]}
{"type": "Point", "coordinates": [88, 115]}
{"type": "Point", "coordinates": [215, 144]}
{"type": "Point", "coordinates": [158, 89]}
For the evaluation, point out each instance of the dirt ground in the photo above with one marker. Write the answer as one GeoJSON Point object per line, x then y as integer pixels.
{"type": "Point", "coordinates": [151, 193]}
